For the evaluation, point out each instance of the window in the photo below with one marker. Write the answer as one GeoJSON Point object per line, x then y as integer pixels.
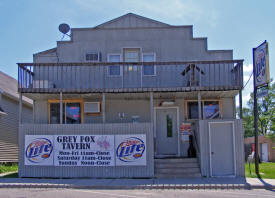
{"type": "Point", "coordinates": [209, 110]}
{"type": "Point", "coordinates": [93, 57]}
{"type": "Point", "coordinates": [72, 112]}
{"type": "Point", "coordinates": [169, 125]}
{"type": "Point", "coordinates": [114, 70]}
{"type": "Point", "coordinates": [131, 55]}
{"type": "Point", "coordinates": [149, 70]}
{"type": "Point", "coordinates": [193, 111]}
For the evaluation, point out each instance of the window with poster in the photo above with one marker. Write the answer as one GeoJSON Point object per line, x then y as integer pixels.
{"type": "Point", "coordinates": [210, 109]}
{"type": "Point", "coordinates": [72, 111]}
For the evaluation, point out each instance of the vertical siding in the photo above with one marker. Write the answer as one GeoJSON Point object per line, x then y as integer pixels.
{"type": "Point", "coordinates": [95, 129]}
{"type": "Point", "coordinates": [205, 150]}
{"type": "Point", "coordinates": [228, 108]}
{"type": "Point", "coordinates": [9, 129]}
{"type": "Point", "coordinates": [129, 107]}
{"type": "Point", "coordinates": [41, 112]}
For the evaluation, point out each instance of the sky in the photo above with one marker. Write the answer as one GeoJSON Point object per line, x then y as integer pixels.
{"type": "Point", "coordinates": [31, 26]}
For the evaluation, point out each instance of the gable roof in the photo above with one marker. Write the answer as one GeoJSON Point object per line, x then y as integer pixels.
{"type": "Point", "coordinates": [9, 85]}
{"type": "Point", "coordinates": [131, 20]}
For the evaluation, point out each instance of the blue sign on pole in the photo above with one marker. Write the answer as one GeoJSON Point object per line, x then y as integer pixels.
{"type": "Point", "coordinates": [261, 65]}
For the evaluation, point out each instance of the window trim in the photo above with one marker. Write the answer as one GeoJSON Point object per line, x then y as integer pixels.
{"type": "Point", "coordinates": [92, 52]}
{"type": "Point", "coordinates": [81, 101]}
{"type": "Point", "coordinates": [120, 67]}
{"type": "Point", "coordinates": [139, 49]}
{"type": "Point", "coordinates": [186, 112]}
{"type": "Point", "coordinates": [135, 67]}
{"type": "Point", "coordinates": [155, 68]}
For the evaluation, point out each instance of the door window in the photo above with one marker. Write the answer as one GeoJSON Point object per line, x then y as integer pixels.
{"type": "Point", "coordinates": [169, 125]}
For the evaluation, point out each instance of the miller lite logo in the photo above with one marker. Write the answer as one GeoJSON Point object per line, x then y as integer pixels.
{"type": "Point", "coordinates": [260, 66]}
{"type": "Point", "coordinates": [130, 149]}
{"type": "Point", "coordinates": [39, 150]}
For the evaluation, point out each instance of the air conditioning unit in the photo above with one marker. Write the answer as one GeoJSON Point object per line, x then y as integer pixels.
{"type": "Point", "coordinates": [91, 107]}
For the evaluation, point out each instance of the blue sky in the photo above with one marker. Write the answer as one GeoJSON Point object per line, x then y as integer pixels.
{"type": "Point", "coordinates": [30, 26]}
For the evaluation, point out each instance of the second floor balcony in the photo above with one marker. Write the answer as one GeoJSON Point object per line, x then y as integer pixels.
{"type": "Point", "coordinates": [130, 77]}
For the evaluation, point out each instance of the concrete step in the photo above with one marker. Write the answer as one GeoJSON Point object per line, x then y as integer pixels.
{"type": "Point", "coordinates": [177, 170]}
{"type": "Point", "coordinates": [177, 165]}
{"type": "Point", "coordinates": [176, 160]}
{"type": "Point", "coordinates": [190, 175]}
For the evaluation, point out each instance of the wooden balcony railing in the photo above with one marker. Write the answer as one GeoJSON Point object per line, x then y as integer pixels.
{"type": "Point", "coordinates": [96, 77]}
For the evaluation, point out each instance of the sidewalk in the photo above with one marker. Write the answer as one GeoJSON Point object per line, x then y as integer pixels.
{"type": "Point", "coordinates": [197, 183]}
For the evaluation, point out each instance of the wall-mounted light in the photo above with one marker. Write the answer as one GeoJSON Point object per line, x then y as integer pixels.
{"type": "Point", "coordinates": [167, 103]}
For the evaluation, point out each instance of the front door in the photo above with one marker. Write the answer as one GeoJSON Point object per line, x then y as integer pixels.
{"type": "Point", "coordinates": [166, 131]}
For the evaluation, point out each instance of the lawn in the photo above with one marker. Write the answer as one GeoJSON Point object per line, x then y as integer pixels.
{"type": "Point", "coordinates": [267, 170]}
{"type": "Point", "coordinates": [5, 168]}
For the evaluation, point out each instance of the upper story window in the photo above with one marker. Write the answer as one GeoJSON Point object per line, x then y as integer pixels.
{"type": "Point", "coordinates": [131, 55]}
{"type": "Point", "coordinates": [149, 70]}
{"type": "Point", "coordinates": [114, 70]}
{"type": "Point", "coordinates": [93, 57]}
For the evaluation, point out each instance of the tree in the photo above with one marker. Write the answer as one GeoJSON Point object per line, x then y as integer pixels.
{"type": "Point", "coordinates": [266, 114]}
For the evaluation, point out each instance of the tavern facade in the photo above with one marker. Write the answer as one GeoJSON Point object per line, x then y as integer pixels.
{"type": "Point", "coordinates": [137, 77]}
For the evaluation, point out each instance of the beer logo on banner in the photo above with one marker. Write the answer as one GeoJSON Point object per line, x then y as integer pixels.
{"type": "Point", "coordinates": [39, 150]}
{"type": "Point", "coordinates": [130, 149]}
{"type": "Point", "coordinates": [260, 66]}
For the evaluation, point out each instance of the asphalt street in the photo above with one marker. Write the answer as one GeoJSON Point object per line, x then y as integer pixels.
{"type": "Point", "coordinates": [74, 193]}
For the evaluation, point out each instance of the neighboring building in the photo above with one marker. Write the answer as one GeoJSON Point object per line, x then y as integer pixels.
{"type": "Point", "coordinates": [9, 99]}
{"type": "Point", "coordinates": [122, 98]}
{"type": "Point", "coordinates": [266, 148]}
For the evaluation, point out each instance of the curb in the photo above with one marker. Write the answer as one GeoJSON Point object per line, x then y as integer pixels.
{"type": "Point", "coordinates": [144, 187]}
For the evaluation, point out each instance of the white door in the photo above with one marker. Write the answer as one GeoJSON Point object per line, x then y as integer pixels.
{"type": "Point", "coordinates": [264, 152]}
{"type": "Point", "coordinates": [167, 133]}
{"type": "Point", "coordinates": [221, 139]}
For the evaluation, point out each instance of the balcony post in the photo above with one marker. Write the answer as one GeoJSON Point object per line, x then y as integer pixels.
{"type": "Point", "coordinates": [33, 111]}
{"type": "Point", "coordinates": [20, 109]}
{"type": "Point", "coordinates": [61, 108]}
{"type": "Point", "coordinates": [103, 108]}
{"type": "Point", "coordinates": [240, 104]}
{"type": "Point", "coordinates": [199, 105]}
{"type": "Point", "coordinates": [152, 119]}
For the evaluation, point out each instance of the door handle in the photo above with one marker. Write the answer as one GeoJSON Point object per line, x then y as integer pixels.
{"type": "Point", "coordinates": [212, 153]}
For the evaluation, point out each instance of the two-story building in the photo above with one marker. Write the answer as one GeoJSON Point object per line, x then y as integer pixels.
{"type": "Point", "coordinates": [132, 97]}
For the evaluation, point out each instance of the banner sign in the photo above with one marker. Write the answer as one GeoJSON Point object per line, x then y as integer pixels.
{"type": "Point", "coordinates": [261, 64]}
{"type": "Point", "coordinates": [38, 150]}
{"type": "Point", "coordinates": [130, 150]}
{"type": "Point", "coordinates": [85, 150]}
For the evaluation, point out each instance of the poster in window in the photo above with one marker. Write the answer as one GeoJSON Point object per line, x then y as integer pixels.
{"type": "Point", "coordinates": [185, 131]}
{"type": "Point", "coordinates": [211, 110]}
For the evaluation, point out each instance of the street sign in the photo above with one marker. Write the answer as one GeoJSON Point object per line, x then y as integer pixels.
{"type": "Point", "coordinates": [261, 64]}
